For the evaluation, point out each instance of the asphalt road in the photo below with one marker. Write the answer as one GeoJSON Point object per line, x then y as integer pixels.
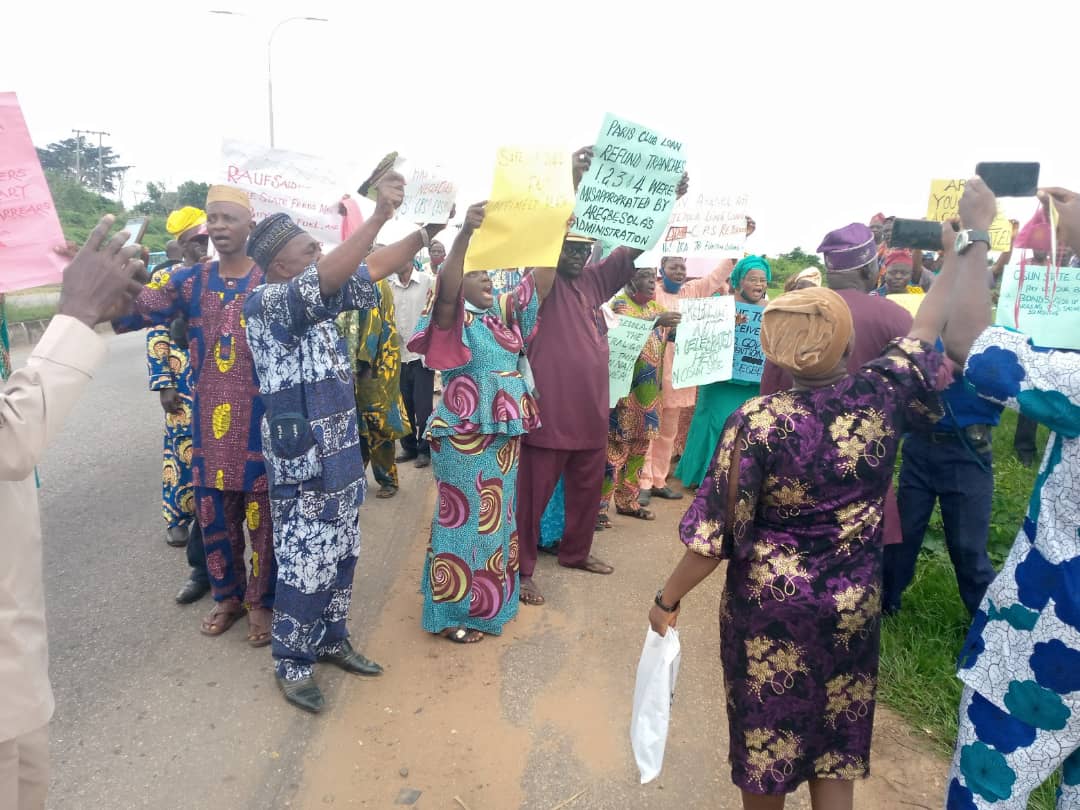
{"type": "Point", "coordinates": [149, 712]}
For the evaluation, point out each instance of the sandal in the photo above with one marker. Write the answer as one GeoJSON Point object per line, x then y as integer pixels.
{"type": "Point", "coordinates": [529, 593]}
{"type": "Point", "coordinates": [462, 635]}
{"type": "Point", "coordinates": [386, 491]}
{"type": "Point", "coordinates": [221, 617]}
{"type": "Point", "coordinates": [592, 565]}
{"type": "Point", "coordinates": [260, 620]}
{"type": "Point", "coordinates": [639, 513]}
{"type": "Point", "coordinates": [603, 521]}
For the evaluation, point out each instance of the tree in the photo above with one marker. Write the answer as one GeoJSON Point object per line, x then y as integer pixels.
{"type": "Point", "coordinates": [788, 264]}
{"type": "Point", "coordinates": [192, 193]}
{"type": "Point", "coordinates": [161, 202]}
{"type": "Point", "coordinates": [60, 158]}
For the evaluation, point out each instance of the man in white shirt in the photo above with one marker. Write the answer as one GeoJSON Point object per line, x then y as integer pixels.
{"type": "Point", "coordinates": [411, 288]}
{"type": "Point", "coordinates": [99, 284]}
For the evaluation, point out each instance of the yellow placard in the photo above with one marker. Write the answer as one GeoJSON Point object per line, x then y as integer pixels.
{"type": "Point", "coordinates": [531, 200]}
{"type": "Point", "coordinates": [944, 203]}
{"type": "Point", "coordinates": [909, 301]}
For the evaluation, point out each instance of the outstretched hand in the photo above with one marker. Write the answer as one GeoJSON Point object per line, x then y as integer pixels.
{"type": "Point", "coordinates": [582, 160]}
{"type": "Point", "coordinates": [474, 217]}
{"type": "Point", "coordinates": [978, 205]}
{"type": "Point", "coordinates": [391, 193]}
{"type": "Point", "coordinates": [103, 278]}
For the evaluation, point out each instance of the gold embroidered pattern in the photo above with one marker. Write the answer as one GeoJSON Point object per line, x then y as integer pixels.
{"type": "Point", "coordinates": [774, 572]}
{"type": "Point", "coordinates": [707, 539]}
{"type": "Point", "coordinates": [771, 753]}
{"type": "Point", "coordinates": [838, 766]}
{"type": "Point", "coordinates": [859, 609]}
{"type": "Point", "coordinates": [773, 664]}
{"type": "Point", "coordinates": [786, 495]}
{"type": "Point", "coordinates": [849, 697]}
{"type": "Point", "coordinates": [858, 437]}
{"type": "Point", "coordinates": [775, 414]}
{"type": "Point", "coordinates": [857, 524]}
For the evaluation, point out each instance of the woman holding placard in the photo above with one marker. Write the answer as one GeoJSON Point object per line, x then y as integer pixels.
{"type": "Point", "coordinates": [470, 582]}
{"type": "Point", "coordinates": [716, 401]}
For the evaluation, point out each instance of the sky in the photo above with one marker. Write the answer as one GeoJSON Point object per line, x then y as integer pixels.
{"type": "Point", "coordinates": [825, 113]}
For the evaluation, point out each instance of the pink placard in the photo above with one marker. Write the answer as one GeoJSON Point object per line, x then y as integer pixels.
{"type": "Point", "coordinates": [29, 228]}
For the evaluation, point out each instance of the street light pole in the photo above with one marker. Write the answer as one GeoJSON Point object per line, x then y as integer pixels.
{"type": "Point", "coordinates": [270, 59]}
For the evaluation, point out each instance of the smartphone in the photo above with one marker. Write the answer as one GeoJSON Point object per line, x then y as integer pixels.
{"type": "Point", "coordinates": [1010, 179]}
{"type": "Point", "coordinates": [367, 188]}
{"type": "Point", "coordinates": [136, 227]}
{"type": "Point", "coordinates": [917, 234]}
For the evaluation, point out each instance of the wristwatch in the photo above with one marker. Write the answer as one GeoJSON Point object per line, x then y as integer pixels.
{"type": "Point", "coordinates": [659, 601]}
{"type": "Point", "coordinates": [965, 239]}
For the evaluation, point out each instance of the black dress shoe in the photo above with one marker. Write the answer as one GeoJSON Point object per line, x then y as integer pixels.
{"type": "Point", "coordinates": [193, 591]}
{"type": "Point", "coordinates": [667, 493]}
{"type": "Point", "coordinates": [351, 661]}
{"type": "Point", "coordinates": [402, 457]}
{"type": "Point", "coordinates": [422, 460]}
{"type": "Point", "coordinates": [304, 693]}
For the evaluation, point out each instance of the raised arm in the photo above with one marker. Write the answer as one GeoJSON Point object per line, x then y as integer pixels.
{"type": "Point", "coordinates": [968, 313]}
{"type": "Point", "coordinates": [453, 268]}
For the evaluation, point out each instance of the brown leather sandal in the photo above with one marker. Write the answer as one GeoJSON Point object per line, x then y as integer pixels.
{"type": "Point", "coordinates": [221, 617]}
{"type": "Point", "coordinates": [260, 621]}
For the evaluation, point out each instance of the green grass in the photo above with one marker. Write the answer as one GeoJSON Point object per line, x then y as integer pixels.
{"type": "Point", "coordinates": [18, 312]}
{"type": "Point", "coordinates": [920, 645]}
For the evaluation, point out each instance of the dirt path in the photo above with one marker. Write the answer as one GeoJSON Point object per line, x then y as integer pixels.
{"type": "Point", "coordinates": [539, 717]}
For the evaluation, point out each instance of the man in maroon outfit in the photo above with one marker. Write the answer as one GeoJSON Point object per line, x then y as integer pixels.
{"type": "Point", "coordinates": [569, 359]}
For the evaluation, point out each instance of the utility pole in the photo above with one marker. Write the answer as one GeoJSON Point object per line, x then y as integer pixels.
{"type": "Point", "coordinates": [78, 156]}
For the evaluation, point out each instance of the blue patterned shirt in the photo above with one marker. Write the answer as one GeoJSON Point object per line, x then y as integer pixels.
{"type": "Point", "coordinates": [303, 367]}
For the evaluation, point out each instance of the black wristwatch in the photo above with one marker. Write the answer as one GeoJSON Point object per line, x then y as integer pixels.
{"type": "Point", "coordinates": [660, 603]}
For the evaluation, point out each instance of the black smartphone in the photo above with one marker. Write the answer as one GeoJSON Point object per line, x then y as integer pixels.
{"type": "Point", "coordinates": [917, 234]}
{"type": "Point", "coordinates": [136, 227]}
{"type": "Point", "coordinates": [1010, 179]}
{"type": "Point", "coordinates": [367, 188]}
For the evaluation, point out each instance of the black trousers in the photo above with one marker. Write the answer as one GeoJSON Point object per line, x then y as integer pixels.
{"type": "Point", "coordinates": [1024, 438]}
{"type": "Point", "coordinates": [418, 392]}
{"type": "Point", "coordinates": [196, 553]}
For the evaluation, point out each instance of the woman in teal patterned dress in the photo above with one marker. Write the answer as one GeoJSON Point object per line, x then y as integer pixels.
{"type": "Point", "coordinates": [470, 581]}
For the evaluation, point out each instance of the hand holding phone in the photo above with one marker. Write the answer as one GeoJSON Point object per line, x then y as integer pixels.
{"type": "Point", "coordinates": [136, 228]}
{"type": "Point", "coordinates": [918, 234]}
{"type": "Point", "coordinates": [1010, 179]}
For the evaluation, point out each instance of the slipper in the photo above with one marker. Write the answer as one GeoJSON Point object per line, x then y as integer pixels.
{"type": "Point", "coordinates": [592, 565]}
{"type": "Point", "coordinates": [529, 593]}
{"type": "Point", "coordinates": [386, 491]}
{"type": "Point", "coordinates": [462, 635]}
{"type": "Point", "coordinates": [221, 617]}
{"type": "Point", "coordinates": [260, 620]}
{"type": "Point", "coordinates": [603, 521]}
{"type": "Point", "coordinates": [639, 513]}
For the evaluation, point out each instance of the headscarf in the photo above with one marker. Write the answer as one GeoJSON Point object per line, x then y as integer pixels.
{"type": "Point", "coordinates": [745, 266]}
{"type": "Point", "coordinates": [231, 194]}
{"type": "Point", "coordinates": [898, 256]}
{"type": "Point", "coordinates": [184, 219]}
{"type": "Point", "coordinates": [806, 332]}
{"type": "Point", "coordinates": [811, 274]}
{"type": "Point", "coordinates": [269, 237]}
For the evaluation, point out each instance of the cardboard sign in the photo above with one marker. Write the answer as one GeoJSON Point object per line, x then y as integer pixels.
{"type": "Point", "coordinates": [531, 200]}
{"type": "Point", "coordinates": [704, 341]}
{"type": "Point", "coordinates": [29, 227]}
{"type": "Point", "coordinates": [707, 225]}
{"type": "Point", "coordinates": [429, 194]}
{"type": "Point", "coordinates": [749, 360]}
{"type": "Point", "coordinates": [1045, 309]}
{"type": "Point", "coordinates": [305, 187]}
{"type": "Point", "coordinates": [909, 301]}
{"type": "Point", "coordinates": [625, 342]}
{"type": "Point", "coordinates": [626, 197]}
{"type": "Point", "coordinates": [944, 203]}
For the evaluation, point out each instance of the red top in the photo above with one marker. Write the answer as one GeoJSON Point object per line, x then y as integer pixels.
{"type": "Point", "coordinates": [569, 356]}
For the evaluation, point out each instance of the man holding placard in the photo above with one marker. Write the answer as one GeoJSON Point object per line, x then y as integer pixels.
{"type": "Point", "coordinates": [570, 355]}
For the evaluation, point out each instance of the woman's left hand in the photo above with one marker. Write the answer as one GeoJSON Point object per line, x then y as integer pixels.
{"type": "Point", "coordinates": [660, 620]}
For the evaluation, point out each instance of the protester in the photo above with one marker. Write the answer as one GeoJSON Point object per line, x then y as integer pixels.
{"type": "Point", "coordinates": [851, 270]}
{"type": "Point", "coordinates": [310, 435]}
{"type": "Point", "coordinates": [897, 266]}
{"type": "Point", "coordinates": [100, 283]}
{"type": "Point", "coordinates": [174, 254]}
{"type": "Point", "coordinates": [1020, 665]}
{"type": "Point", "coordinates": [571, 354]}
{"type": "Point", "coordinates": [794, 502]}
{"type": "Point", "coordinates": [374, 352]}
{"type": "Point", "coordinates": [411, 289]}
{"type": "Point", "coordinates": [635, 419]}
{"type": "Point", "coordinates": [436, 255]}
{"type": "Point", "coordinates": [228, 470]}
{"type": "Point", "coordinates": [717, 400]}
{"type": "Point", "coordinates": [188, 225]}
{"type": "Point", "coordinates": [470, 581]}
{"type": "Point", "coordinates": [677, 404]}
{"type": "Point", "coordinates": [809, 277]}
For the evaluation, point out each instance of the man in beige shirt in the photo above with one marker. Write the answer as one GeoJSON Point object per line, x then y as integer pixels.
{"type": "Point", "coordinates": [100, 283]}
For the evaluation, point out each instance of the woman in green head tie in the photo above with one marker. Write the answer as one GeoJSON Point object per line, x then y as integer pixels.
{"type": "Point", "coordinates": [716, 401]}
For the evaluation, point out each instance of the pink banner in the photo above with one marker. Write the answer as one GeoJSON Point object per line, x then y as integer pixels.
{"type": "Point", "coordinates": [29, 228]}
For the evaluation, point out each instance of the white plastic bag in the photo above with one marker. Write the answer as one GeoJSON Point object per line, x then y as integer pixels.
{"type": "Point", "coordinates": [654, 692]}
